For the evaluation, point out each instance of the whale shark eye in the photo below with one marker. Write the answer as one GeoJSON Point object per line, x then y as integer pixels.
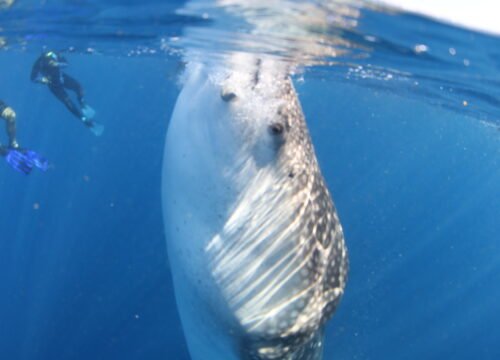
{"type": "Point", "coordinates": [276, 129]}
{"type": "Point", "coordinates": [227, 95]}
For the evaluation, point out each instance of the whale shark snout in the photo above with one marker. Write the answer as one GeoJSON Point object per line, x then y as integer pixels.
{"type": "Point", "coordinates": [255, 243]}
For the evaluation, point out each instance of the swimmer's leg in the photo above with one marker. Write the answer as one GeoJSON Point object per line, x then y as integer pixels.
{"type": "Point", "coordinates": [63, 96]}
{"type": "Point", "coordinates": [72, 84]}
{"type": "Point", "coordinates": [10, 125]}
{"type": "Point", "coordinates": [86, 112]}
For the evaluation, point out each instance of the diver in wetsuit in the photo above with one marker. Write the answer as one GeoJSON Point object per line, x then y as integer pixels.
{"type": "Point", "coordinates": [9, 115]}
{"type": "Point", "coordinates": [47, 70]}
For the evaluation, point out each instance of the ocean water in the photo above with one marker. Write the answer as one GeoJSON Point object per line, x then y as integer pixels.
{"type": "Point", "coordinates": [404, 113]}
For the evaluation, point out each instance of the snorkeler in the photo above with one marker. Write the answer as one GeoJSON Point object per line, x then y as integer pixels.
{"type": "Point", "coordinates": [22, 160]}
{"type": "Point", "coordinates": [47, 70]}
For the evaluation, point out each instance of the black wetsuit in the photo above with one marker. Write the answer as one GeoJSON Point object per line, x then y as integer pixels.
{"type": "Point", "coordinates": [48, 66]}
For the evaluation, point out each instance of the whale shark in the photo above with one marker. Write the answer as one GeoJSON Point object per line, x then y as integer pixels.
{"type": "Point", "coordinates": [255, 244]}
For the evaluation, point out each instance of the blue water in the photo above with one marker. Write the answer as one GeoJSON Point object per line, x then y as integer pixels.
{"type": "Point", "coordinates": [408, 141]}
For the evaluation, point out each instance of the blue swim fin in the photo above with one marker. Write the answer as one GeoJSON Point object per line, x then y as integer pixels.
{"type": "Point", "coordinates": [88, 112]}
{"type": "Point", "coordinates": [37, 160]}
{"type": "Point", "coordinates": [24, 160]}
{"type": "Point", "coordinates": [94, 126]}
